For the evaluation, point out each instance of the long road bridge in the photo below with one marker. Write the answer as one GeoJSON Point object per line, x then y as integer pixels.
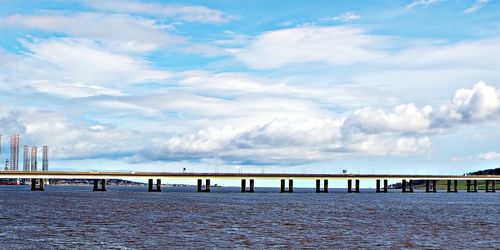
{"type": "Point", "coordinates": [37, 179]}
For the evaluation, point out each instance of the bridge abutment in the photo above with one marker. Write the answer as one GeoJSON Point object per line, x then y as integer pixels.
{"type": "Point", "coordinates": [244, 186]}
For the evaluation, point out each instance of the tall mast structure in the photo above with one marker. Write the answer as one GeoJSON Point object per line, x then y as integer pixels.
{"type": "Point", "coordinates": [34, 151]}
{"type": "Point", "coordinates": [45, 158]}
{"type": "Point", "coordinates": [14, 152]}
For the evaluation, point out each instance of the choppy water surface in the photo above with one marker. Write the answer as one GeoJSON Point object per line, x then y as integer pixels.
{"type": "Point", "coordinates": [129, 217]}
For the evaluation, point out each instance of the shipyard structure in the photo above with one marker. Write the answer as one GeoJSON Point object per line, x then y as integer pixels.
{"type": "Point", "coordinates": [30, 159]}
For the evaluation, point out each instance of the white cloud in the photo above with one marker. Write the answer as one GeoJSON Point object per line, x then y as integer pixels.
{"type": "Point", "coordinates": [70, 140]}
{"type": "Point", "coordinates": [478, 103]}
{"type": "Point", "coordinates": [345, 45]}
{"type": "Point", "coordinates": [405, 118]}
{"type": "Point", "coordinates": [416, 3]}
{"type": "Point", "coordinates": [117, 31]}
{"type": "Point", "coordinates": [489, 156]}
{"type": "Point", "coordinates": [76, 67]}
{"type": "Point", "coordinates": [478, 4]}
{"type": "Point", "coordinates": [332, 45]}
{"type": "Point", "coordinates": [403, 131]}
{"type": "Point", "coordinates": [71, 90]}
{"type": "Point", "coordinates": [292, 140]}
{"type": "Point", "coordinates": [190, 13]}
{"type": "Point", "coordinates": [346, 17]}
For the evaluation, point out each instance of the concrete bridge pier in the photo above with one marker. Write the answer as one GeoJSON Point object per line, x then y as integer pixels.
{"type": "Point", "coordinates": [455, 186]}
{"type": "Point", "coordinates": [430, 186]}
{"type": "Point", "coordinates": [384, 190]}
{"type": "Point", "coordinates": [200, 186]}
{"type": "Point", "coordinates": [325, 186]}
{"type": "Point", "coordinates": [290, 186]}
{"type": "Point", "coordinates": [487, 188]}
{"type": "Point", "coordinates": [151, 187]}
{"type": "Point", "coordinates": [406, 183]}
{"type": "Point", "coordinates": [96, 185]}
{"type": "Point", "coordinates": [349, 186]}
{"type": "Point", "coordinates": [469, 186]}
{"type": "Point", "coordinates": [433, 186]}
{"type": "Point", "coordinates": [244, 186]}
{"type": "Point", "coordinates": [37, 185]}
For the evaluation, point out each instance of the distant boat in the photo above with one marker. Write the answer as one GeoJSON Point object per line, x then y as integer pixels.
{"type": "Point", "coordinates": [9, 182]}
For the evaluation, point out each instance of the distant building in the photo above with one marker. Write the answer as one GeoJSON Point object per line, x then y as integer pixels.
{"type": "Point", "coordinates": [26, 158]}
{"type": "Point", "coordinates": [14, 152]}
{"type": "Point", "coordinates": [34, 151]}
{"type": "Point", "coordinates": [45, 158]}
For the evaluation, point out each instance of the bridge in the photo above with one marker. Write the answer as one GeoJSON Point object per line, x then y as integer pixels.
{"type": "Point", "coordinates": [37, 179]}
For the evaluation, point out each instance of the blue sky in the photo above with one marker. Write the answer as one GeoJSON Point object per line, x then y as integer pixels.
{"type": "Point", "coordinates": [275, 86]}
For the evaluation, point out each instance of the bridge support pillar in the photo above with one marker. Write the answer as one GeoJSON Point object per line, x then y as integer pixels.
{"type": "Point", "coordinates": [151, 187]}
{"type": "Point", "coordinates": [430, 186]}
{"type": "Point", "coordinates": [474, 186]}
{"type": "Point", "coordinates": [37, 185]}
{"type": "Point", "coordinates": [200, 186]}
{"type": "Point", "coordinates": [318, 186]}
{"type": "Point", "coordinates": [409, 184]}
{"type": "Point", "coordinates": [487, 188]}
{"type": "Point", "coordinates": [356, 186]}
{"type": "Point", "coordinates": [96, 185]}
{"type": "Point", "coordinates": [379, 190]}
{"type": "Point", "coordinates": [244, 186]}
{"type": "Point", "coordinates": [455, 186]}
{"type": "Point", "coordinates": [290, 186]}
{"type": "Point", "coordinates": [493, 186]}
{"type": "Point", "coordinates": [386, 184]}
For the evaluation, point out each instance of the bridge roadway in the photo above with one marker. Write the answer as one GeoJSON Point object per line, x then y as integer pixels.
{"type": "Point", "coordinates": [191, 175]}
{"type": "Point", "coordinates": [38, 178]}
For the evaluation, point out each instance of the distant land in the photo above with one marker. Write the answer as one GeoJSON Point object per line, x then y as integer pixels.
{"type": "Point", "coordinates": [114, 182]}
{"type": "Point", "coordinates": [420, 184]}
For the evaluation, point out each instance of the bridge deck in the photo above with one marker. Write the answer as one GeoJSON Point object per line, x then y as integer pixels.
{"type": "Point", "coordinates": [184, 175]}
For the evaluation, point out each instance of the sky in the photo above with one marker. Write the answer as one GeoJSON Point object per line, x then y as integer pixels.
{"type": "Point", "coordinates": [395, 87]}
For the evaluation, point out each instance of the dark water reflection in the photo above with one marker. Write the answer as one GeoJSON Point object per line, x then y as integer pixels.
{"type": "Point", "coordinates": [129, 217]}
